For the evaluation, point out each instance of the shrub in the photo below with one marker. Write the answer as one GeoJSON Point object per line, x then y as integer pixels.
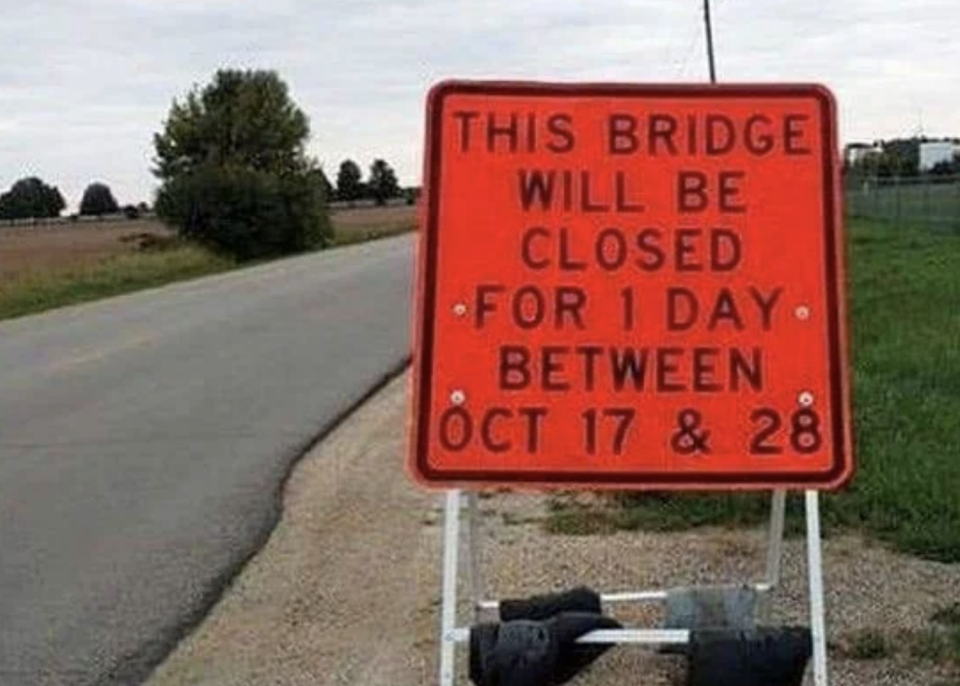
{"type": "Point", "coordinates": [247, 213]}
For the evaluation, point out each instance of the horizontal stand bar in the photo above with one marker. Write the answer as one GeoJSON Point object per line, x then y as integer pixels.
{"type": "Point", "coordinates": [627, 597]}
{"type": "Point", "coordinates": [636, 636]}
{"type": "Point", "coordinates": [644, 636]}
{"type": "Point", "coordinates": [451, 634]}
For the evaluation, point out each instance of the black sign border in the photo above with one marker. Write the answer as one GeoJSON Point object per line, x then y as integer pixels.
{"type": "Point", "coordinates": [831, 478]}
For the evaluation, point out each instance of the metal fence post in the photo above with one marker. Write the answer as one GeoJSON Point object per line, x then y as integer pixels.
{"type": "Point", "coordinates": [956, 203]}
{"type": "Point", "coordinates": [896, 190]}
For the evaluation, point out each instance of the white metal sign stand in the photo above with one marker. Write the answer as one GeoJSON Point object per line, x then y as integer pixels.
{"type": "Point", "coordinates": [451, 634]}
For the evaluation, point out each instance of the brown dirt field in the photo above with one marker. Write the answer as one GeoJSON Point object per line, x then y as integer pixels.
{"type": "Point", "coordinates": [31, 249]}
{"type": "Point", "coordinates": [395, 216]}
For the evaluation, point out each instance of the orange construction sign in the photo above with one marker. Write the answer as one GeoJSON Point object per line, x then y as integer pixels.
{"type": "Point", "coordinates": [632, 287]}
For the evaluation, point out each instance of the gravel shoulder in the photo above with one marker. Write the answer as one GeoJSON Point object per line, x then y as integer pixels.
{"type": "Point", "coordinates": [346, 591]}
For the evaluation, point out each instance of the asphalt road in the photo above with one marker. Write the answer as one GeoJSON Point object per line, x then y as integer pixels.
{"type": "Point", "coordinates": [143, 441]}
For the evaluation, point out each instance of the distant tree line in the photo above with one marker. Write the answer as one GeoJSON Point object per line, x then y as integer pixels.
{"type": "Point", "coordinates": [231, 158]}
{"type": "Point", "coordinates": [381, 184]}
{"type": "Point", "coordinates": [32, 198]}
{"type": "Point", "coordinates": [897, 157]}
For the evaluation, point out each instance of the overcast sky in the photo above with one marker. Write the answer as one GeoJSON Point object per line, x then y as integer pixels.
{"type": "Point", "coordinates": [84, 84]}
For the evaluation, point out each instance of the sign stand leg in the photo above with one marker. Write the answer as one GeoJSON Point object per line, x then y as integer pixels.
{"type": "Point", "coordinates": [448, 615]}
{"type": "Point", "coordinates": [451, 634]}
{"type": "Point", "coordinates": [476, 577]}
{"type": "Point", "coordinates": [815, 575]}
{"type": "Point", "coordinates": [778, 504]}
{"type": "Point", "coordinates": [775, 546]}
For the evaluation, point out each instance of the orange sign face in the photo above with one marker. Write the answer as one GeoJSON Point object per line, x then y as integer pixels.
{"type": "Point", "coordinates": [634, 287]}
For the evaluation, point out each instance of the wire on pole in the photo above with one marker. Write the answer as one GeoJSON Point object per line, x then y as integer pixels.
{"type": "Point", "coordinates": [709, 28]}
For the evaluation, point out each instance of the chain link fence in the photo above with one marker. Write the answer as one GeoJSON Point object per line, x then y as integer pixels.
{"type": "Point", "coordinates": [931, 202]}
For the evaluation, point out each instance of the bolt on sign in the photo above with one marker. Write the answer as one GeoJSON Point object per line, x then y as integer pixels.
{"type": "Point", "coordinates": [636, 287]}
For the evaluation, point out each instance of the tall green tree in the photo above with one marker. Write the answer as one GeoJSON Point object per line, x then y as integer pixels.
{"type": "Point", "coordinates": [98, 199]}
{"type": "Point", "coordinates": [320, 177]}
{"type": "Point", "coordinates": [349, 181]}
{"type": "Point", "coordinates": [901, 157]}
{"type": "Point", "coordinates": [29, 198]}
{"type": "Point", "coordinates": [234, 170]}
{"type": "Point", "coordinates": [383, 184]}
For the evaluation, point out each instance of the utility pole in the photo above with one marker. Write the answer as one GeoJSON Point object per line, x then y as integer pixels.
{"type": "Point", "coordinates": [709, 27]}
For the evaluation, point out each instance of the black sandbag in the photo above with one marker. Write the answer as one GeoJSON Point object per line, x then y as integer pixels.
{"type": "Point", "coordinates": [575, 657]}
{"type": "Point", "coordinates": [764, 656]}
{"type": "Point", "coordinates": [730, 607]}
{"type": "Point", "coordinates": [535, 653]}
{"type": "Point", "coordinates": [579, 599]}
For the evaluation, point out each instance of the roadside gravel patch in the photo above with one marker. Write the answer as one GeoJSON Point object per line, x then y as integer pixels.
{"type": "Point", "coordinates": [341, 592]}
{"type": "Point", "coordinates": [346, 591]}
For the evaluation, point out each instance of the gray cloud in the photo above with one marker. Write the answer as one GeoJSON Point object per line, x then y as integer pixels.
{"type": "Point", "coordinates": [84, 84]}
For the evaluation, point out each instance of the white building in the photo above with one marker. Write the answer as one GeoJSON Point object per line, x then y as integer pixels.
{"type": "Point", "coordinates": [934, 152]}
{"type": "Point", "coordinates": [858, 151]}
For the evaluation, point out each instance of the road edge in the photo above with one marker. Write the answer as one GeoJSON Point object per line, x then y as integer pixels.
{"type": "Point", "coordinates": [138, 667]}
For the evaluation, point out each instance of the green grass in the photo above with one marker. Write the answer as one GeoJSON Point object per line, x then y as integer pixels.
{"type": "Point", "coordinates": [936, 644]}
{"type": "Point", "coordinates": [948, 615]}
{"type": "Point", "coordinates": [932, 645]}
{"type": "Point", "coordinates": [870, 644]}
{"type": "Point", "coordinates": [948, 633]}
{"type": "Point", "coordinates": [41, 291]}
{"type": "Point", "coordinates": [653, 511]}
{"type": "Point", "coordinates": [511, 519]}
{"type": "Point", "coordinates": [905, 326]}
{"type": "Point", "coordinates": [928, 645]}
{"type": "Point", "coordinates": [573, 519]}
